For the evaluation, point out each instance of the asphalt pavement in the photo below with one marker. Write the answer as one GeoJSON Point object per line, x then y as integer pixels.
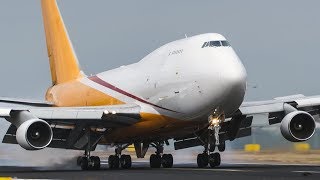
{"type": "Point", "coordinates": [141, 171]}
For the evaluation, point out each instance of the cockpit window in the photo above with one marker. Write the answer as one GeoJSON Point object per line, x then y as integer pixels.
{"type": "Point", "coordinates": [215, 43]}
{"type": "Point", "coordinates": [225, 43]}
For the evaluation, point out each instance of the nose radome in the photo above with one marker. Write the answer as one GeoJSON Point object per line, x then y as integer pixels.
{"type": "Point", "coordinates": [234, 76]}
{"type": "Point", "coordinates": [233, 79]}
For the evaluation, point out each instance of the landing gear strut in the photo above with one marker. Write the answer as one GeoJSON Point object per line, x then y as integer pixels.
{"type": "Point", "coordinates": [118, 160]}
{"type": "Point", "coordinates": [156, 160]}
{"type": "Point", "coordinates": [88, 162]}
{"type": "Point", "coordinates": [207, 157]}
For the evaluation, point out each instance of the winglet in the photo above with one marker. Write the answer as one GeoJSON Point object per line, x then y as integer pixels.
{"type": "Point", "coordinates": [64, 64]}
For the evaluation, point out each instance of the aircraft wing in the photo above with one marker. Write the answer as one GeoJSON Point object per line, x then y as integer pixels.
{"type": "Point", "coordinates": [46, 111]}
{"type": "Point", "coordinates": [279, 107]}
{"type": "Point", "coordinates": [276, 110]}
{"type": "Point", "coordinates": [119, 114]}
{"type": "Point", "coordinates": [310, 104]}
{"type": "Point", "coordinates": [68, 123]}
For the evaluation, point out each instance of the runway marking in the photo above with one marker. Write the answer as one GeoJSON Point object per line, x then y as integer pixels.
{"type": "Point", "coordinates": [224, 170]}
{"type": "Point", "coordinates": [272, 164]}
{"type": "Point", "coordinates": [314, 172]}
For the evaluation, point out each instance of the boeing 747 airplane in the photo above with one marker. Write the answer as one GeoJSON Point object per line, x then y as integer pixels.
{"type": "Point", "coordinates": [190, 90]}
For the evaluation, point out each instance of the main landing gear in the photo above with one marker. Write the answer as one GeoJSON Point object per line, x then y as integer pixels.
{"type": "Point", "coordinates": [213, 141]}
{"type": "Point", "coordinates": [156, 160]}
{"type": "Point", "coordinates": [88, 162]}
{"type": "Point", "coordinates": [118, 160]}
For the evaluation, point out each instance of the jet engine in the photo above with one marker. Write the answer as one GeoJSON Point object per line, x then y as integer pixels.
{"type": "Point", "coordinates": [298, 126]}
{"type": "Point", "coordinates": [32, 133]}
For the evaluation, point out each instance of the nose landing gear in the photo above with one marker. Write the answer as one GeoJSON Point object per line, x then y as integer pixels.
{"type": "Point", "coordinates": [207, 157]}
{"type": "Point", "coordinates": [213, 159]}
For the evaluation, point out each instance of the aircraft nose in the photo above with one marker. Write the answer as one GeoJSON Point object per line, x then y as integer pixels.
{"type": "Point", "coordinates": [233, 79]}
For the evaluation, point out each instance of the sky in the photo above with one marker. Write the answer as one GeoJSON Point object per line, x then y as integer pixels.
{"type": "Point", "coordinates": [278, 41]}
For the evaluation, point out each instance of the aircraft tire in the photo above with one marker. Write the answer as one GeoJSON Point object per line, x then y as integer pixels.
{"type": "Point", "coordinates": [113, 162]}
{"type": "Point", "coordinates": [96, 162]}
{"type": "Point", "coordinates": [167, 160]}
{"type": "Point", "coordinates": [84, 164]}
{"type": "Point", "coordinates": [214, 160]}
{"type": "Point", "coordinates": [202, 160]}
{"type": "Point", "coordinates": [155, 161]}
{"type": "Point", "coordinates": [125, 161]}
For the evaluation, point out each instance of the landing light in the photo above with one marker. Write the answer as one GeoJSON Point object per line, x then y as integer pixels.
{"type": "Point", "coordinates": [214, 121]}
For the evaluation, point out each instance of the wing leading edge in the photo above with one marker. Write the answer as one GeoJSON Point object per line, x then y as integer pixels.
{"type": "Point", "coordinates": [69, 124]}
{"type": "Point", "coordinates": [309, 104]}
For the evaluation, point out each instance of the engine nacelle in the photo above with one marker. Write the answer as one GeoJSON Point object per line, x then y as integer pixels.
{"type": "Point", "coordinates": [34, 134]}
{"type": "Point", "coordinates": [298, 126]}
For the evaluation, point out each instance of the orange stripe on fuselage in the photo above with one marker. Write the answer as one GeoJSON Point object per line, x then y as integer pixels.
{"type": "Point", "coordinates": [75, 93]}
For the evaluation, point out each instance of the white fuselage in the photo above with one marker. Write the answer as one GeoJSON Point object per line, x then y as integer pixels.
{"type": "Point", "coordinates": [183, 76]}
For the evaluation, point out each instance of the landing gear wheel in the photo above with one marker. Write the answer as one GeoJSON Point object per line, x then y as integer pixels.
{"type": "Point", "coordinates": [222, 146]}
{"type": "Point", "coordinates": [113, 162]}
{"type": "Point", "coordinates": [214, 160]}
{"type": "Point", "coordinates": [155, 161]}
{"type": "Point", "coordinates": [125, 161]}
{"type": "Point", "coordinates": [167, 160]}
{"type": "Point", "coordinates": [95, 160]}
{"type": "Point", "coordinates": [84, 163]}
{"type": "Point", "coordinates": [202, 160]}
{"type": "Point", "coordinates": [212, 147]}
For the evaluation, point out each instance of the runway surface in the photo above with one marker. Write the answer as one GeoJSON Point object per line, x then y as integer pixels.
{"type": "Point", "coordinates": [179, 171]}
